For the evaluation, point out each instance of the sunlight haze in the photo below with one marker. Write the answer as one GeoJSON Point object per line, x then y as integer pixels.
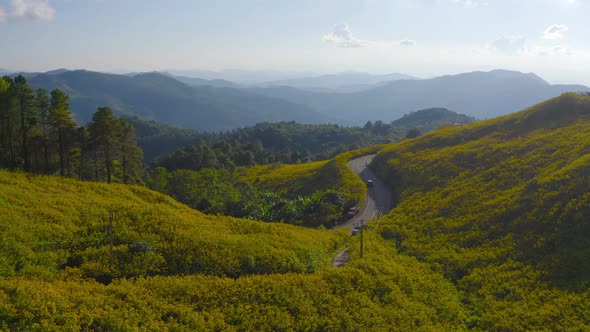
{"type": "Point", "coordinates": [424, 38]}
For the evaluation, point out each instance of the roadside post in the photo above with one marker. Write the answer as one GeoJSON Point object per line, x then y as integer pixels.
{"type": "Point", "coordinates": [362, 229]}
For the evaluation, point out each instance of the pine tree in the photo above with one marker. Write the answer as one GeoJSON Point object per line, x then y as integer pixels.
{"type": "Point", "coordinates": [5, 84]}
{"type": "Point", "coordinates": [62, 124]}
{"type": "Point", "coordinates": [43, 104]}
{"type": "Point", "coordinates": [85, 169]}
{"type": "Point", "coordinates": [103, 131]}
{"type": "Point", "coordinates": [26, 108]}
{"type": "Point", "coordinates": [10, 124]}
{"type": "Point", "coordinates": [130, 153]}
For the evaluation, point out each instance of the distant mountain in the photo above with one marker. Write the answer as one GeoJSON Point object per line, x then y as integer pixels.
{"type": "Point", "coordinates": [477, 94]}
{"type": "Point", "coordinates": [246, 77]}
{"type": "Point", "coordinates": [343, 82]}
{"type": "Point", "coordinates": [194, 81]}
{"type": "Point", "coordinates": [164, 99]}
{"type": "Point", "coordinates": [432, 118]}
{"type": "Point", "coordinates": [29, 75]}
{"type": "Point", "coordinates": [57, 71]}
{"type": "Point", "coordinates": [4, 72]}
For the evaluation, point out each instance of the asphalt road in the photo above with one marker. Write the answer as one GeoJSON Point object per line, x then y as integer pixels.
{"type": "Point", "coordinates": [379, 198]}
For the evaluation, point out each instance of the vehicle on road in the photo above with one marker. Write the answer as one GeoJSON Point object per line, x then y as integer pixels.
{"type": "Point", "coordinates": [369, 183]}
{"type": "Point", "coordinates": [353, 211]}
{"type": "Point", "coordinates": [355, 230]}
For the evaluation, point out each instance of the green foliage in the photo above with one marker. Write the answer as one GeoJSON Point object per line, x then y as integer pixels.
{"type": "Point", "coordinates": [221, 192]}
{"type": "Point", "coordinates": [177, 269]}
{"type": "Point", "coordinates": [68, 227]}
{"type": "Point", "coordinates": [413, 133]}
{"type": "Point", "coordinates": [157, 139]}
{"type": "Point", "coordinates": [270, 143]}
{"type": "Point", "coordinates": [431, 119]}
{"type": "Point", "coordinates": [311, 194]}
{"type": "Point", "coordinates": [500, 208]}
{"type": "Point", "coordinates": [305, 179]}
{"type": "Point", "coordinates": [39, 135]}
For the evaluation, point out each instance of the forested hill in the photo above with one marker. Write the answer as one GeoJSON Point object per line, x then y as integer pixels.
{"type": "Point", "coordinates": [164, 99]}
{"type": "Point", "coordinates": [283, 142]}
{"type": "Point", "coordinates": [156, 138]}
{"type": "Point", "coordinates": [432, 118]}
{"type": "Point", "coordinates": [501, 208]}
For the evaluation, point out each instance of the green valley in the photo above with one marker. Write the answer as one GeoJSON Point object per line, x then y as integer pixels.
{"type": "Point", "coordinates": [175, 268]}
{"type": "Point", "coordinates": [489, 231]}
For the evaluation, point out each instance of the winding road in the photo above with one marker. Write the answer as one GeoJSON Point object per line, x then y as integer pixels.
{"type": "Point", "coordinates": [379, 198]}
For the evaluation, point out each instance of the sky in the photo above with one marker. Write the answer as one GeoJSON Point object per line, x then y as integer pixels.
{"type": "Point", "coordinates": [425, 38]}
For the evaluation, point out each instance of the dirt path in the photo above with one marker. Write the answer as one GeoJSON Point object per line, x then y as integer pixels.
{"type": "Point", "coordinates": [341, 258]}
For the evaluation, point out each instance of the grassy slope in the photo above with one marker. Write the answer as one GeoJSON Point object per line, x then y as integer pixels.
{"type": "Point", "coordinates": [48, 222]}
{"type": "Point", "coordinates": [501, 208]}
{"type": "Point", "coordinates": [304, 179]}
{"type": "Point", "coordinates": [176, 268]}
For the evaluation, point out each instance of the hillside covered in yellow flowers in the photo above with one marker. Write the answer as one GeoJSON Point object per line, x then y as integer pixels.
{"type": "Point", "coordinates": [176, 268]}
{"type": "Point", "coordinates": [501, 208]}
{"type": "Point", "coordinates": [490, 232]}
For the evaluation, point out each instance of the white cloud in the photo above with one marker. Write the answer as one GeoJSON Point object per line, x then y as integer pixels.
{"type": "Point", "coordinates": [555, 31]}
{"type": "Point", "coordinates": [471, 3]}
{"type": "Point", "coordinates": [28, 10]}
{"type": "Point", "coordinates": [508, 44]}
{"type": "Point", "coordinates": [341, 36]}
{"type": "Point", "coordinates": [407, 42]}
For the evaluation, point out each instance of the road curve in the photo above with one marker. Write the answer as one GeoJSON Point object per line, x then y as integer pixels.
{"type": "Point", "coordinates": [379, 198]}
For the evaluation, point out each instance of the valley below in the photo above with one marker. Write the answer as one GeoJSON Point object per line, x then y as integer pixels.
{"type": "Point", "coordinates": [467, 225]}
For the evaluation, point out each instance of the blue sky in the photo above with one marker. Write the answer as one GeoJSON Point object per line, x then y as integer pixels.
{"type": "Point", "coordinates": [420, 37]}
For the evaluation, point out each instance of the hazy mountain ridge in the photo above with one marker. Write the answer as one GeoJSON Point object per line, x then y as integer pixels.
{"type": "Point", "coordinates": [477, 94]}
{"type": "Point", "coordinates": [194, 81]}
{"type": "Point", "coordinates": [219, 105]}
{"type": "Point", "coordinates": [342, 82]}
{"type": "Point", "coordinates": [164, 99]}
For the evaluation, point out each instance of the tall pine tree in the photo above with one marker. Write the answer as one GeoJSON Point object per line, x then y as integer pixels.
{"type": "Point", "coordinates": [26, 108]}
{"type": "Point", "coordinates": [43, 104]}
{"type": "Point", "coordinates": [130, 154]}
{"type": "Point", "coordinates": [62, 126]}
{"type": "Point", "coordinates": [103, 133]}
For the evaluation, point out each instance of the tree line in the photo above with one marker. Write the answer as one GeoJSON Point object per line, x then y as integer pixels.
{"type": "Point", "coordinates": [39, 135]}
{"type": "Point", "coordinates": [220, 191]}
{"type": "Point", "coordinates": [282, 142]}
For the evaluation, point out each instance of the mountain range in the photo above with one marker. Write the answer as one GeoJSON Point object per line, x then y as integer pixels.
{"type": "Point", "coordinates": [195, 81]}
{"type": "Point", "coordinates": [478, 94]}
{"type": "Point", "coordinates": [342, 82]}
{"type": "Point", "coordinates": [217, 104]}
{"type": "Point", "coordinates": [157, 97]}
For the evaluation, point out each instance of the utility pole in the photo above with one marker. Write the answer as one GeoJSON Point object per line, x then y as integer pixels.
{"type": "Point", "coordinates": [111, 217]}
{"type": "Point", "coordinates": [362, 229]}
